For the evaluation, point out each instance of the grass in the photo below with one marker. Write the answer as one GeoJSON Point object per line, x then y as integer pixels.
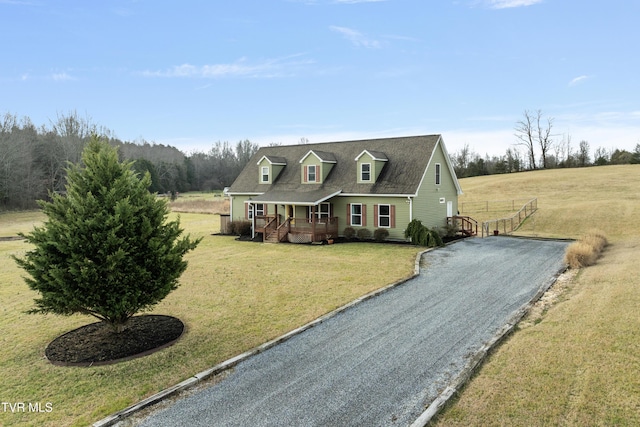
{"type": "Point", "coordinates": [577, 365]}
{"type": "Point", "coordinates": [199, 202]}
{"type": "Point", "coordinates": [234, 296]}
{"type": "Point", "coordinates": [585, 251]}
{"type": "Point", "coordinates": [570, 202]}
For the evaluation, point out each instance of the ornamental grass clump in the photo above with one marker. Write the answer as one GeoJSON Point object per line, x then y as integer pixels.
{"type": "Point", "coordinates": [106, 248]}
{"type": "Point", "coordinates": [586, 251]}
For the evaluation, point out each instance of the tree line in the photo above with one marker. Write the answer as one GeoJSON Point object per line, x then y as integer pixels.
{"type": "Point", "coordinates": [537, 147]}
{"type": "Point", "coordinates": [34, 160]}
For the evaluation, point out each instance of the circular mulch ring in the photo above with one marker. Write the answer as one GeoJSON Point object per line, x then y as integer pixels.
{"type": "Point", "coordinates": [96, 344]}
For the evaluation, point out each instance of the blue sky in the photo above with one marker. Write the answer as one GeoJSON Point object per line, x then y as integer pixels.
{"type": "Point", "coordinates": [190, 73]}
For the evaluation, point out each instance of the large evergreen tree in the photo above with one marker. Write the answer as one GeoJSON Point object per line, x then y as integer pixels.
{"type": "Point", "coordinates": [106, 248]}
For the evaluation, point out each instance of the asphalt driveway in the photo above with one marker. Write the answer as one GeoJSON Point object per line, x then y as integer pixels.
{"type": "Point", "coordinates": [381, 362]}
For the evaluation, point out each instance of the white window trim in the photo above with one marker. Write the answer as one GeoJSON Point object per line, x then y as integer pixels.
{"type": "Point", "coordinates": [262, 174]}
{"type": "Point", "coordinates": [253, 207]}
{"type": "Point", "coordinates": [362, 172]}
{"type": "Point", "coordinates": [354, 215]}
{"type": "Point", "coordinates": [320, 214]}
{"type": "Point", "coordinates": [438, 173]}
{"type": "Point", "coordinates": [380, 216]}
{"type": "Point", "coordinates": [315, 173]}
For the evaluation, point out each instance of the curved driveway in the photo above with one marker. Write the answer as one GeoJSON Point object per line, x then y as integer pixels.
{"type": "Point", "coordinates": [381, 362]}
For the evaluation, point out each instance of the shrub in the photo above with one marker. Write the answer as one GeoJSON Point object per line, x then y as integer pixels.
{"type": "Point", "coordinates": [106, 248]}
{"type": "Point", "coordinates": [240, 228]}
{"type": "Point", "coordinates": [364, 234]}
{"type": "Point", "coordinates": [580, 254]}
{"type": "Point", "coordinates": [421, 235]}
{"type": "Point", "coordinates": [381, 234]}
{"type": "Point", "coordinates": [585, 252]}
{"type": "Point", "coordinates": [349, 233]}
{"type": "Point", "coordinates": [596, 239]}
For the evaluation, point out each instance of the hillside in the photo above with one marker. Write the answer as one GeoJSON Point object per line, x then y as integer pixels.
{"type": "Point", "coordinates": [570, 201]}
{"type": "Point", "coordinates": [576, 363]}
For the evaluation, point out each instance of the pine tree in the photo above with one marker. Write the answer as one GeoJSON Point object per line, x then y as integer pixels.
{"type": "Point", "coordinates": [106, 249]}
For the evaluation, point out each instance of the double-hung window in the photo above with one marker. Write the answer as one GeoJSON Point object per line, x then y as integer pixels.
{"type": "Point", "coordinates": [365, 172]}
{"type": "Point", "coordinates": [384, 216]}
{"type": "Point", "coordinates": [323, 210]}
{"type": "Point", "coordinates": [356, 214]}
{"type": "Point", "coordinates": [257, 209]}
{"type": "Point", "coordinates": [311, 173]}
{"type": "Point", "coordinates": [264, 174]}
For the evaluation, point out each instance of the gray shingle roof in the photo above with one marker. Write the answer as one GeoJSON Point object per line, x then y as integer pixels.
{"type": "Point", "coordinates": [408, 158]}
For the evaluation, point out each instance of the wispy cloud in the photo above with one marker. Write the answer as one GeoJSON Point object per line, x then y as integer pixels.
{"type": "Point", "coordinates": [506, 4]}
{"type": "Point", "coordinates": [356, 38]}
{"type": "Point", "coordinates": [578, 80]}
{"type": "Point", "coordinates": [59, 77]}
{"type": "Point", "coordinates": [357, 1]}
{"type": "Point", "coordinates": [314, 2]}
{"type": "Point", "coordinates": [270, 68]}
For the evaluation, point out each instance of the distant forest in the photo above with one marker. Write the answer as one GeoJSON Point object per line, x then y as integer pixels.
{"type": "Point", "coordinates": [33, 160]}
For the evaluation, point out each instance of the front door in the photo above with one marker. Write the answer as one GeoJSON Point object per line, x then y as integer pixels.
{"type": "Point", "coordinates": [449, 208]}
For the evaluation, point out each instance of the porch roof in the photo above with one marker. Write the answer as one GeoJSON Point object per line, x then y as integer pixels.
{"type": "Point", "coordinates": [304, 198]}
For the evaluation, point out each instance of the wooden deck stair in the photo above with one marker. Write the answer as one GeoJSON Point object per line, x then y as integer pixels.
{"type": "Point", "coordinates": [465, 225]}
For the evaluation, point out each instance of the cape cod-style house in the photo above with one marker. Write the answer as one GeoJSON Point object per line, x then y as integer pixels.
{"type": "Point", "coordinates": [312, 192]}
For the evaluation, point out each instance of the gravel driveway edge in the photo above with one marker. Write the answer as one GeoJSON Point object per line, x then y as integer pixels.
{"type": "Point", "coordinates": [230, 363]}
{"type": "Point", "coordinates": [476, 361]}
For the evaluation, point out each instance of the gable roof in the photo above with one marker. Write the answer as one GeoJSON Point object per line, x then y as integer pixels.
{"type": "Point", "coordinates": [375, 155]}
{"type": "Point", "coordinates": [407, 161]}
{"type": "Point", "coordinates": [274, 160]}
{"type": "Point", "coordinates": [323, 156]}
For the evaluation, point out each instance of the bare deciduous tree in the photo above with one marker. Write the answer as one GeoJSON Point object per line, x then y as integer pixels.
{"type": "Point", "coordinates": [532, 132]}
{"type": "Point", "coordinates": [525, 133]}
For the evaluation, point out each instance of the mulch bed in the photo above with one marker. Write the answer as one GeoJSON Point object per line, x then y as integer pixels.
{"type": "Point", "coordinates": [97, 344]}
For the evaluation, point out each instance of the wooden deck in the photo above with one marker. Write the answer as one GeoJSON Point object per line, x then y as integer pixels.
{"type": "Point", "coordinates": [275, 229]}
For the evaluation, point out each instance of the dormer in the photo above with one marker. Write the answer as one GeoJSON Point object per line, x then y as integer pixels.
{"type": "Point", "coordinates": [315, 166]}
{"type": "Point", "coordinates": [269, 167]}
{"type": "Point", "coordinates": [369, 166]}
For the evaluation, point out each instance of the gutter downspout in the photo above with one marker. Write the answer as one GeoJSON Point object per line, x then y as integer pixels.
{"type": "Point", "coordinates": [410, 208]}
{"type": "Point", "coordinates": [253, 220]}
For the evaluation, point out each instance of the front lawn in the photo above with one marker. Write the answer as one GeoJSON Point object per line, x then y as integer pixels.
{"type": "Point", "coordinates": [233, 296]}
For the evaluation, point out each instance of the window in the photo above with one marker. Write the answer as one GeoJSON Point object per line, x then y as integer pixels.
{"type": "Point", "coordinates": [365, 172]}
{"type": "Point", "coordinates": [264, 174]}
{"type": "Point", "coordinates": [356, 214]}
{"type": "Point", "coordinates": [437, 173]}
{"type": "Point", "coordinates": [323, 211]}
{"type": "Point", "coordinates": [257, 208]}
{"type": "Point", "coordinates": [311, 173]}
{"type": "Point", "coordinates": [384, 216]}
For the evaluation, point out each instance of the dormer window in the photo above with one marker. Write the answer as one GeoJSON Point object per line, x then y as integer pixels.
{"type": "Point", "coordinates": [264, 174]}
{"type": "Point", "coordinates": [365, 172]}
{"type": "Point", "coordinates": [311, 173]}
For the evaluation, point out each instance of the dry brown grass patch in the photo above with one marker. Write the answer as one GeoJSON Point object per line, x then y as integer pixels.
{"type": "Point", "coordinates": [586, 251]}
{"type": "Point", "coordinates": [220, 206]}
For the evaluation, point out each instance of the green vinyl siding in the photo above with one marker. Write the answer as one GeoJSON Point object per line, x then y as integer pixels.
{"type": "Point", "coordinates": [427, 206]}
{"type": "Point", "coordinates": [401, 213]}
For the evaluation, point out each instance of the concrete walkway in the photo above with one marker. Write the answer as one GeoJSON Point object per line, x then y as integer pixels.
{"type": "Point", "coordinates": [381, 362]}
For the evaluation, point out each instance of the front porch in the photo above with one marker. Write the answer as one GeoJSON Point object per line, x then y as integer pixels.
{"type": "Point", "coordinates": [276, 228]}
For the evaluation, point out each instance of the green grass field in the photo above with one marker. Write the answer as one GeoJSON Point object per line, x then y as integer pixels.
{"type": "Point", "coordinates": [576, 365]}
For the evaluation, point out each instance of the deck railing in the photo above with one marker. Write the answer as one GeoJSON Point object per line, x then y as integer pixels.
{"type": "Point", "coordinates": [463, 224]}
{"type": "Point", "coordinates": [323, 228]}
